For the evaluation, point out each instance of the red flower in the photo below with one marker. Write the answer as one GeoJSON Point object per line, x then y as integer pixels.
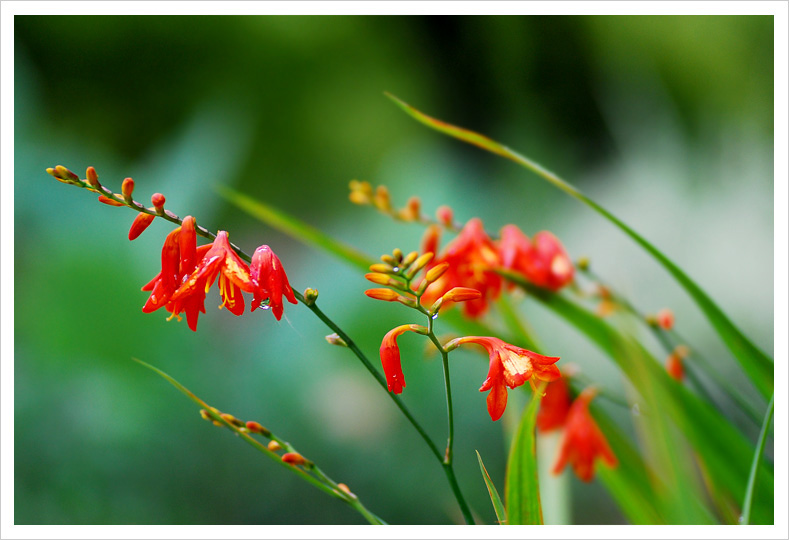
{"type": "Point", "coordinates": [583, 441]}
{"type": "Point", "coordinates": [542, 261]}
{"type": "Point", "coordinates": [554, 406]}
{"type": "Point", "coordinates": [220, 260]}
{"type": "Point", "coordinates": [471, 257]}
{"type": "Point", "coordinates": [509, 366]}
{"type": "Point", "coordinates": [390, 358]}
{"type": "Point", "coordinates": [164, 285]}
{"type": "Point", "coordinates": [269, 281]}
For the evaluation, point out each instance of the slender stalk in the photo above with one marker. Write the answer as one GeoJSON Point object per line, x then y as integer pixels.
{"type": "Point", "coordinates": [757, 459]}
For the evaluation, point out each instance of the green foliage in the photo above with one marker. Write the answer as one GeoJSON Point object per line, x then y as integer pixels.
{"type": "Point", "coordinates": [522, 487]}
{"type": "Point", "coordinates": [498, 506]}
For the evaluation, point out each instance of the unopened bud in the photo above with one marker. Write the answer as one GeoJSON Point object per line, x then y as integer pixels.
{"type": "Point", "coordinates": [65, 174]}
{"type": "Point", "coordinates": [274, 446]}
{"type": "Point", "coordinates": [665, 319]}
{"type": "Point", "coordinates": [334, 339]}
{"type": "Point", "coordinates": [388, 259]}
{"type": "Point", "coordinates": [109, 201]}
{"type": "Point", "coordinates": [230, 419]}
{"type": "Point", "coordinates": [675, 368]}
{"type": "Point", "coordinates": [346, 489]}
{"type": "Point", "coordinates": [310, 296]}
{"type": "Point", "coordinates": [397, 254]}
{"type": "Point", "coordinates": [436, 272]}
{"type": "Point", "coordinates": [157, 199]}
{"type": "Point", "coordinates": [410, 258]}
{"type": "Point", "coordinates": [462, 294]}
{"type": "Point", "coordinates": [127, 188]}
{"type": "Point", "coordinates": [382, 268]}
{"type": "Point", "coordinates": [255, 427]}
{"type": "Point", "coordinates": [361, 192]}
{"type": "Point", "coordinates": [411, 210]}
{"type": "Point", "coordinates": [206, 416]}
{"type": "Point", "coordinates": [418, 264]}
{"type": "Point", "coordinates": [409, 302]}
{"type": "Point", "coordinates": [582, 263]}
{"type": "Point", "coordinates": [294, 458]}
{"type": "Point", "coordinates": [444, 216]}
{"type": "Point", "coordinates": [384, 279]}
{"type": "Point", "coordinates": [139, 224]}
{"type": "Point", "coordinates": [387, 295]}
{"type": "Point", "coordinates": [382, 200]}
{"type": "Point", "coordinates": [682, 351]}
{"type": "Point", "coordinates": [93, 177]}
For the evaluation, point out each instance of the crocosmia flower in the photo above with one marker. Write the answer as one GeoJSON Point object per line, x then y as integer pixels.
{"type": "Point", "coordinates": [472, 257]}
{"type": "Point", "coordinates": [583, 441]}
{"type": "Point", "coordinates": [390, 358]}
{"type": "Point", "coordinates": [543, 260]}
{"type": "Point", "coordinates": [510, 366]}
{"type": "Point", "coordinates": [269, 281]}
{"type": "Point", "coordinates": [164, 285]}
{"type": "Point", "coordinates": [222, 261]}
{"type": "Point", "coordinates": [554, 406]}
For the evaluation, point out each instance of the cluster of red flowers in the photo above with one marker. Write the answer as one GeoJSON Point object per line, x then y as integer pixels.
{"type": "Point", "coordinates": [583, 441]}
{"type": "Point", "coordinates": [473, 258]}
{"type": "Point", "coordinates": [189, 271]}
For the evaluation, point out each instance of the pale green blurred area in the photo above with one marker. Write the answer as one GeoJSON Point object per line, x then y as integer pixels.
{"type": "Point", "coordinates": [666, 121]}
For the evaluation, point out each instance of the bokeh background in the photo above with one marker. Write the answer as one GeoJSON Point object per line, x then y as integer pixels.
{"type": "Point", "coordinates": [666, 121]}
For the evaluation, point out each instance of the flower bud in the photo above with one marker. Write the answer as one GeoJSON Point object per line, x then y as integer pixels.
{"type": "Point", "coordinates": [382, 200]}
{"type": "Point", "coordinates": [461, 294]}
{"type": "Point", "coordinates": [388, 259]}
{"type": "Point", "coordinates": [310, 296]}
{"type": "Point", "coordinates": [444, 216]}
{"type": "Point", "coordinates": [93, 177]}
{"type": "Point", "coordinates": [361, 192]}
{"type": "Point", "coordinates": [410, 258]}
{"type": "Point", "coordinates": [582, 263]}
{"type": "Point", "coordinates": [65, 174]}
{"type": "Point", "coordinates": [274, 446]}
{"type": "Point", "coordinates": [682, 351]}
{"type": "Point", "coordinates": [230, 419]}
{"type": "Point", "coordinates": [675, 368]}
{"type": "Point", "coordinates": [127, 187]}
{"type": "Point", "coordinates": [139, 224]}
{"type": "Point", "coordinates": [418, 264]}
{"type": "Point", "coordinates": [384, 279]}
{"type": "Point", "coordinates": [255, 427]}
{"type": "Point", "coordinates": [388, 295]}
{"type": "Point", "coordinates": [157, 199]}
{"type": "Point", "coordinates": [334, 339]}
{"type": "Point", "coordinates": [382, 268]}
{"type": "Point", "coordinates": [294, 458]}
{"type": "Point", "coordinates": [411, 210]}
{"type": "Point", "coordinates": [346, 489]}
{"type": "Point", "coordinates": [665, 319]}
{"type": "Point", "coordinates": [436, 272]}
{"type": "Point", "coordinates": [109, 201]}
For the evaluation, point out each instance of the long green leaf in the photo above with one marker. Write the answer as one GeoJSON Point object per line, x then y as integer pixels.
{"type": "Point", "coordinates": [724, 449]}
{"type": "Point", "coordinates": [522, 488]}
{"type": "Point", "coordinates": [498, 506]}
{"type": "Point", "coordinates": [294, 227]}
{"type": "Point", "coordinates": [757, 459]}
{"type": "Point", "coordinates": [756, 364]}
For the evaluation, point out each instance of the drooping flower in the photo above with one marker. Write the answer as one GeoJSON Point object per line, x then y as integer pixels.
{"type": "Point", "coordinates": [164, 285]}
{"type": "Point", "coordinates": [543, 260]}
{"type": "Point", "coordinates": [269, 281]}
{"type": "Point", "coordinates": [472, 257]}
{"type": "Point", "coordinates": [554, 406]}
{"type": "Point", "coordinates": [510, 366]}
{"type": "Point", "coordinates": [222, 261]}
{"type": "Point", "coordinates": [583, 441]}
{"type": "Point", "coordinates": [390, 357]}
{"type": "Point", "coordinates": [675, 362]}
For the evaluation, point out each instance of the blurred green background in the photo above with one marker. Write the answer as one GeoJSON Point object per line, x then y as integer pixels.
{"type": "Point", "coordinates": [666, 121]}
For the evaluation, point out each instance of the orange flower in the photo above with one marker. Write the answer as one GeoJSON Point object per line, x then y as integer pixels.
{"type": "Point", "coordinates": [542, 261]}
{"type": "Point", "coordinates": [390, 357]}
{"type": "Point", "coordinates": [554, 406]}
{"type": "Point", "coordinates": [583, 441]}
{"type": "Point", "coordinates": [220, 260]}
{"type": "Point", "coordinates": [269, 281]}
{"type": "Point", "coordinates": [471, 257]}
{"type": "Point", "coordinates": [509, 366]}
{"type": "Point", "coordinates": [164, 285]}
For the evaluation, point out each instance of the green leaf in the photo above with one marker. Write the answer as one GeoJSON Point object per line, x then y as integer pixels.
{"type": "Point", "coordinates": [522, 488]}
{"type": "Point", "coordinates": [295, 228]}
{"type": "Point", "coordinates": [498, 506]}
{"type": "Point", "coordinates": [756, 364]}
{"type": "Point", "coordinates": [757, 458]}
{"type": "Point", "coordinates": [724, 450]}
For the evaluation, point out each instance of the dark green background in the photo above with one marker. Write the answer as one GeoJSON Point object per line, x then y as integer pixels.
{"type": "Point", "coordinates": [666, 121]}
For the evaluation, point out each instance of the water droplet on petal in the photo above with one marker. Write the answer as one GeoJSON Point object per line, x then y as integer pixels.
{"type": "Point", "coordinates": [434, 316]}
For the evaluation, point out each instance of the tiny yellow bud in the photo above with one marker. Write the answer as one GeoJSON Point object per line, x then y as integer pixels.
{"type": "Point", "coordinates": [436, 272]}
{"type": "Point", "coordinates": [376, 277]}
{"type": "Point", "coordinates": [274, 446]}
{"type": "Point", "coordinates": [93, 177]}
{"type": "Point", "coordinates": [381, 268]}
{"type": "Point", "coordinates": [346, 489]}
{"type": "Point", "coordinates": [66, 174]}
{"type": "Point", "coordinates": [230, 419]}
{"type": "Point", "coordinates": [310, 296]}
{"type": "Point", "coordinates": [382, 200]}
{"type": "Point", "coordinates": [418, 264]}
{"type": "Point", "coordinates": [388, 259]}
{"type": "Point", "coordinates": [334, 339]}
{"type": "Point", "coordinates": [357, 197]}
{"type": "Point", "coordinates": [410, 258]}
{"type": "Point", "coordinates": [387, 295]}
{"type": "Point", "coordinates": [582, 263]}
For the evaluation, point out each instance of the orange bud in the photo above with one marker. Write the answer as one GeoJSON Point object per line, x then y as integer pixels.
{"type": "Point", "coordinates": [387, 295]}
{"type": "Point", "coordinates": [230, 419]}
{"type": "Point", "coordinates": [294, 458]}
{"type": "Point", "coordinates": [157, 199]}
{"type": "Point", "coordinates": [140, 223]}
{"type": "Point", "coordinates": [274, 446]}
{"type": "Point", "coordinates": [127, 188]}
{"type": "Point", "coordinates": [381, 199]}
{"type": "Point", "coordinates": [381, 268]}
{"type": "Point", "coordinates": [375, 277]}
{"type": "Point", "coordinates": [444, 216]}
{"type": "Point", "coordinates": [255, 427]}
{"type": "Point", "coordinates": [461, 294]}
{"type": "Point", "coordinates": [665, 319]}
{"type": "Point", "coordinates": [93, 177]}
{"type": "Point", "coordinates": [436, 272]}
{"type": "Point", "coordinates": [66, 174]}
{"type": "Point", "coordinates": [111, 202]}
{"type": "Point", "coordinates": [345, 488]}
{"type": "Point", "coordinates": [675, 368]}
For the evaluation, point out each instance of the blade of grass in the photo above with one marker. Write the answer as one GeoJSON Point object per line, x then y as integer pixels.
{"type": "Point", "coordinates": [757, 458]}
{"type": "Point", "coordinates": [754, 362]}
{"type": "Point", "coordinates": [498, 506]}
{"type": "Point", "coordinates": [522, 488]}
